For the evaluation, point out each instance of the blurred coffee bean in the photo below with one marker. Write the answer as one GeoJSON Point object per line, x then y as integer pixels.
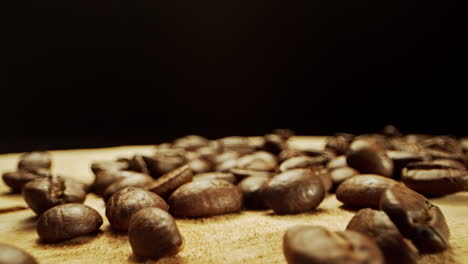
{"type": "Point", "coordinates": [401, 159]}
{"type": "Point", "coordinates": [191, 142]}
{"type": "Point", "coordinates": [153, 233]}
{"type": "Point", "coordinates": [200, 165]}
{"type": "Point", "coordinates": [126, 202]}
{"type": "Point", "coordinates": [136, 180]}
{"type": "Point", "coordinates": [241, 174]}
{"type": "Point", "coordinates": [33, 161]}
{"type": "Point", "coordinates": [161, 164]}
{"type": "Point", "coordinates": [364, 190]}
{"type": "Point", "coordinates": [46, 192]}
{"type": "Point", "coordinates": [138, 164]}
{"type": "Point", "coordinates": [448, 163]}
{"type": "Point", "coordinates": [259, 160]}
{"type": "Point", "coordinates": [338, 144]}
{"type": "Point", "coordinates": [306, 244]}
{"type": "Point", "coordinates": [368, 157]}
{"type": "Point", "coordinates": [67, 221]}
{"type": "Point", "coordinates": [391, 131]}
{"type": "Point", "coordinates": [341, 174]}
{"type": "Point", "coordinates": [416, 218]}
{"type": "Point", "coordinates": [240, 145]}
{"type": "Point", "coordinates": [16, 180]}
{"type": "Point", "coordinates": [252, 189]}
{"type": "Point", "coordinates": [274, 144]}
{"type": "Point", "coordinates": [337, 162]}
{"type": "Point", "coordinates": [110, 165]}
{"type": "Point", "coordinates": [104, 178]}
{"type": "Point", "coordinates": [227, 165]}
{"type": "Point", "coordinates": [324, 175]}
{"type": "Point", "coordinates": [289, 153]}
{"type": "Point", "coordinates": [12, 255]}
{"type": "Point", "coordinates": [166, 184]}
{"type": "Point", "coordinates": [205, 198]}
{"type": "Point", "coordinates": [378, 226]}
{"type": "Point", "coordinates": [225, 176]}
{"type": "Point", "coordinates": [226, 156]}
{"type": "Point", "coordinates": [443, 143]}
{"type": "Point", "coordinates": [285, 133]}
{"type": "Point", "coordinates": [464, 144]}
{"type": "Point", "coordinates": [294, 191]}
{"type": "Point", "coordinates": [302, 162]}
{"type": "Point", "coordinates": [440, 154]}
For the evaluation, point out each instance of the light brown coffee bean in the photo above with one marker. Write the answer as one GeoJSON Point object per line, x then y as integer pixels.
{"type": "Point", "coordinates": [12, 255]}
{"type": "Point", "coordinates": [337, 162]}
{"type": "Point", "coordinates": [302, 162]}
{"type": "Point", "coordinates": [259, 160]}
{"type": "Point", "coordinates": [138, 164]}
{"type": "Point", "coordinates": [226, 176]}
{"type": "Point", "coordinates": [33, 161]}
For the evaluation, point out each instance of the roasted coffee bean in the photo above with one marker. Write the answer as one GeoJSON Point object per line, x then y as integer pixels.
{"type": "Point", "coordinates": [339, 175]}
{"type": "Point", "coordinates": [138, 164]}
{"type": "Point", "coordinates": [416, 218]}
{"type": "Point", "coordinates": [294, 191]}
{"type": "Point", "coordinates": [225, 156]}
{"type": "Point", "coordinates": [240, 145]}
{"type": "Point", "coordinates": [46, 192]}
{"type": "Point", "coordinates": [443, 143]}
{"type": "Point", "coordinates": [369, 157]}
{"type": "Point", "coordinates": [378, 226]}
{"type": "Point", "coordinates": [284, 132]}
{"type": "Point", "coordinates": [33, 161]}
{"type": "Point", "coordinates": [252, 192]}
{"type": "Point", "coordinates": [227, 165]}
{"type": "Point", "coordinates": [191, 142]}
{"type": "Point", "coordinates": [337, 162]}
{"type": "Point", "coordinates": [289, 153]}
{"type": "Point", "coordinates": [153, 233]}
{"type": "Point", "coordinates": [435, 178]}
{"type": "Point", "coordinates": [200, 165]}
{"type": "Point", "coordinates": [226, 176]}
{"type": "Point", "coordinates": [302, 162]}
{"type": "Point", "coordinates": [111, 165]}
{"type": "Point", "coordinates": [401, 159]}
{"type": "Point", "coordinates": [16, 180]}
{"type": "Point", "coordinates": [259, 160]}
{"type": "Point", "coordinates": [439, 154]}
{"type": "Point", "coordinates": [205, 198]}
{"type": "Point", "coordinates": [67, 221]}
{"type": "Point", "coordinates": [316, 245]}
{"type": "Point", "coordinates": [104, 178]}
{"type": "Point", "coordinates": [448, 163]}
{"type": "Point", "coordinates": [126, 202]}
{"type": "Point", "coordinates": [166, 184]}
{"type": "Point", "coordinates": [464, 144]}
{"type": "Point", "coordinates": [136, 180]}
{"type": "Point", "coordinates": [391, 131]}
{"type": "Point", "coordinates": [324, 175]}
{"type": "Point", "coordinates": [12, 255]}
{"type": "Point", "coordinates": [274, 144]}
{"type": "Point", "coordinates": [364, 190]}
{"type": "Point", "coordinates": [338, 144]}
{"type": "Point", "coordinates": [161, 164]}
{"type": "Point", "coordinates": [241, 174]}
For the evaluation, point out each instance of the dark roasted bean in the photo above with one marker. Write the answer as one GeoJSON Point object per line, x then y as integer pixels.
{"type": "Point", "coordinates": [166, 184]}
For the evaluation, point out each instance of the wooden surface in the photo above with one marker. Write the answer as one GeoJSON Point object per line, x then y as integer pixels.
{"type": "Point", "coordinates": [246, 237]}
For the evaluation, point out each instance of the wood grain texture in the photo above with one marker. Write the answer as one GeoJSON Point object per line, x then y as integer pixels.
{"type": "Point", "coordinates": [246, 237]}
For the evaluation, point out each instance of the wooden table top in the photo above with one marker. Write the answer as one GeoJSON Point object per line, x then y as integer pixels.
{"type": "Point", "coordinates": [246, 237]}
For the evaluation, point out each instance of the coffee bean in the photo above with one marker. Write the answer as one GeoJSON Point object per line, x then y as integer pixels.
{"type": "Point", "coordinates": [378, 226]}
{"type": "Point", "coordinates": [369, 157]}
{"type": "Point", "coordinates": [339, 175]}
{"type": "Point", "coordinates": [337, 162]}
{"type": "Point", "coordinates": [240, 145]}
{"type": "Point", "coordinates": [225, 176]}
{"type": "Point", "coordinates": [252, 192]}
{"type": "Point", "coordinates": [316, 245]}
{"type": "Point", "coordinates": [259, 160]}
{"type": "Point", "coordinates": [439, 154]}
{"type": "Point", "coordinates": [401, 159]}
{"type": "Point", "coordinates": [67, 221]}
{"type": "Point", "coordinates": [391, 131]}
{"type": "Point", "coordinates": [448, 163]}
{"type": "Point", "coordinates": [166, 184]}
{"type": "Point", "coordinates": [153, 233]}
{"type": "Point", "coordinates": [205, 198]}
{"type": "Point", "coordinates": [274, 143]}
{"type": "Point", "coordinates": [46, 192]}
{"type": "Point", "coordinates": [338, 144]}
{"type": "Point", "coordinates": [241, 174]}
{"type": "Point", "coordinates": [136, 180]}
{"type": "Point", "coordinates": [16, 180]}
{"type": "Point", "coordinates": [227, 165]}
{"type": "Point", "coordinates": [443, 143]}
{"type": "Point", "coordinates": [161, 164]}
{"type": "Point", "coordinates": [364, 190]}
{"type": "Point", "coordinates": [126, 202]}
{"type": "Point", "coordinates": [110, 165]}
{"type": "Point", "coordinates": [191, 142]}
{"type": "Point", "coordinates": [284, 132]}
{"type": "Point", "coordinates": [324, 175]}
{"type": "Point", "coordinates": [138, 164]}
{"type": "Point", "coordinates": [416, 218]}
{"type": "Point", "coordinates": [302, 162]}
{"type": "Point", "coordinates": [32, 161]}
{"type": "Point", "coordinates": [435, 178]}
{"type": "Point", "coordinates": [200, 165]}
{"type": "Point", "coordinates": [294, 191]}
{"type": "Point", "coordinates": [12, 255]}
{"type": "Point", "coordinates": [289, 153]}
{"type": "Point", "coordinates": [104, 178]}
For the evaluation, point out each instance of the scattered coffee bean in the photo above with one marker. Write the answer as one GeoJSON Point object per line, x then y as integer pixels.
{"type": "Point", "coordinates": [316, 245]}
{"type": "Point", "coordinates": [364, 190]}
{"type": "Point", "coordinates": [104, 178]}
{"type": "Point", "coordinates": [12, 255]}
{"type": "Point", "coordinates": [289, 153]}
{"type": "Point", "coordinates": [33, 161]}
{"type": "Point", "coordinates": [302, 162]}
{"type": "Point", "coordinates": [252, 192]}
{"type": "Point", "coordinates": [126, 202]}
{"type": "Point", "coordinates": [67, 221]}
{"type": "Point", "coordinates": [110, 165]}
{"type": "Point", "coordinates": [46, 192]}
{"type": "Point", "coordinates": [166, 184]}
{"type": "Point", "coordinates": [205, 198]}
{"type": "Point", "coordinates": [401, 159]}
{"type": "Point", "coordinates": [369, 157]}
{"type": "Point", "coordinates": [16, 180]}
{"type": "Point", "coordinates": [153, 233]}
{"type": "Point", "coordinates": [448, 163]}
{"type": "Point", "coordinates": [259, 160]}
{"type": "Point", "coordinates": [225, 176]}
{"type": "Point", "coordinates": [341, 174]}
{"type": "Point", "coordinates": [136, 180]}
{"type": "Point", "coordinates": [294, 191]}
{"type": "Point", "coordinates": [378, 226]}
{"type": "Point", "coordinates": [163, 163]}
{"type": "Point", "coordinates": [416, 218]}
{"type": "Point", "coordinates": [138, 164]}
{"type": "Point", "coordinates": [241, 174]}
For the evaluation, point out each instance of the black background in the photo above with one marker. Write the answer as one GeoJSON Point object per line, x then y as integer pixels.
{"type": "Point", "coordinates": [103, 73]}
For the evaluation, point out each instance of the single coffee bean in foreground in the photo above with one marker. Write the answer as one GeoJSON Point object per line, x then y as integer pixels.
{"type": "Point", "coordinates": [136, 180]}
{"type": "Point", "coordinates": [378, 226]}
{"type": "Point", "coordinates": [153, 233]}
{"type": "Point", "coordinates": [166, 184]}
{"type": "Point", "coordinates": [126, 202]}
{"type": "Point", "coordinates": [252, 192]}
{"type": "Point", "coordinates": [294, 191]}
{"type": "Point", "coordinates": [316, 245]}
{"type": "Point", "coordinates": [67, 221]}
{"type": "Point", "coordinates": [369, 157]}
{"type": "Point", "coordinates": [205, 198]}
{"type": "Point", "coordinates": [12, 255]}
{"type": "Point", "coordinates": [46, 192]}
{"type": "Point", "coordinates": [416, 218]}
{"type": "Point", "coordinates": [33, 161]}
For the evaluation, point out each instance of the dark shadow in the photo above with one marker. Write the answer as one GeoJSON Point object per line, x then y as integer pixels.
{"type": "Point", "coordinates": [167, 260]}
{"type": "Point", "coordinates": [12, 209]}
{"type": "Point", "coordinates": [10, 193]}
{"type": "Point", "coordinates": [349, 208]}
{"type": "Point", "coordinates": [114, 233]}
{"type": "Point", "coordinates": [31, 219]}
{"type": "Point", "coordinates": [77, 241]}
{"type": "Point", "coordinates": [313, 212]}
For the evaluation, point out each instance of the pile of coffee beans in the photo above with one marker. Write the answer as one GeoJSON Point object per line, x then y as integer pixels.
{"type": "Point", "coordinates": [385, 176]}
